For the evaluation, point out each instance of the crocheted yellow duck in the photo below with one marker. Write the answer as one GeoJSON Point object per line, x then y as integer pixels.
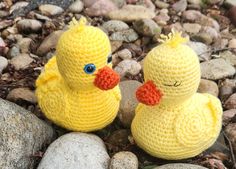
{"type": "Point", "coordinates": [78, 89]}
{"type": "Point", "coordinates": [173, 121]}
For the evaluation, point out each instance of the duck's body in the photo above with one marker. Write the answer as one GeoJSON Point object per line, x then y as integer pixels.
{"type": "Point", "coordinates": [82, 110]}
{"type": "Point", "coordinates": [173, 121]}
{"type": "Point", "coordinates": [181, 131]}
{"type": "Point", "coordinates": [78, 89]}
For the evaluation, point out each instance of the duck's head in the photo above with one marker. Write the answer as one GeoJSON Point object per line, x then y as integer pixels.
{"type": "Point", "coordinates": [84, 57]}
{"type": "Point", "coordinates": [171, 72]}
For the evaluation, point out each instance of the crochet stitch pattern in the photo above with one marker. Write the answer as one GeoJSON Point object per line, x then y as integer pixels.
{"type": "Point", "coordinates": [78, 89]}
{"type": "Point", "coordinates": [183, 123]}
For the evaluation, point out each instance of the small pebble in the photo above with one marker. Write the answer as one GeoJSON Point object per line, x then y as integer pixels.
{"type": "Point", "coordinates": [76, 7]}
{"type": "Point", "coordinates": [147, 27]}
{"type": "Point", "coordinates": [29, 26]}
{"type": "Point", "coordinates": [13, 52]}
{"type": "Point", "coordinates": [124, 160]}
{"type": "Point", "coordinates": [50, 10]}
{"type": "Point", "coordinates": [22, 94]}
{"type": "Point", "coordinates": [18, 5]}
{"type": "Point", "coordinates": [227, 88]}
{"type": "Point", "coordinates": [207, 86]}
{"type": "Point", "coordinates": [192, 28]}
{"type": "Point", "coordinates": [115, 26]}
{"type": "Point", "coordinates": [180, 6]}
{"type": "Point", "coordinates": [161, 4]}
{"type": "Point", "coordinates": [228, 115]}
{"type": "Point", "coordinates": [21, 61]}
{"type": "Point", "coordinates": [24, 45]}
{"type": "Point", "coordinates": [119, 138]}
{"type": "Point", "coordinates": [124, 54]}
{"type": "Point", "coordinates": [230, 103]}
{"type": "Point", "coordinates": [3, 64]}
{"type": "Point", "coordinates": [128, 66]}
{"type": "Point", "coordinates": [128, 35]}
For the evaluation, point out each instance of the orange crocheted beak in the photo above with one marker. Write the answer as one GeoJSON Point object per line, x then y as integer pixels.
{"type": "Point", "coordinates": [106, 78]}
{"type": "Point", "coordinates": [148, 94]}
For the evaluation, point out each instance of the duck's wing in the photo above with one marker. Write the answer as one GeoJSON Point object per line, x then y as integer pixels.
{"type": "Point", "coordinates": [50, 92]}
{"type": "Point", "coordinates": [116, 92]}
{"type": "Point", "coordinates": [199, 124]}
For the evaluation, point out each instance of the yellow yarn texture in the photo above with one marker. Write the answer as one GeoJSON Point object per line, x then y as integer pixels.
{"type": "Point", "coordinates": [185, 122]}
{"type": "Point", "coordinates": [66, 93]}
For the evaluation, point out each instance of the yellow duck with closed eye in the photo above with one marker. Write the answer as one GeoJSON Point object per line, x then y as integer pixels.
{"type": "Point", "coordinates": [173, 121]}
{"type": "Point", "coordinates": [78, 89]}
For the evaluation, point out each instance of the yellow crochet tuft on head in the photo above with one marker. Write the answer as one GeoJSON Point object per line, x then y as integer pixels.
{"type": "Point", "coordinates": [173, 121]}
{"type": "Point", "coordinates": [78, 89]}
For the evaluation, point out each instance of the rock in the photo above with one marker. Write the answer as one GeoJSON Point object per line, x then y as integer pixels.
{"type": "Point", "coordinates": [128, 35]}
{"type": "Point", "coordinates": [3, 14]}
{"type": "Point", "coordinates": [5, 23]}
{"type": "Point", "coordinates": [203, 37]}
{"type": "Point", "coordinates": [124, 160]}
{"type": "Point", "coordinates": [128, 66]}
{"type": "Point", "coordinates": [42, 17]}
{"type": "Point", "coordinates": [208, 21]}
{"type": "Point", "coordinates": [179, 166]}
{"type": "Point", "coordinates": [49, 43]}
{"type": "Point", "coordinates": [18, 5]}
{"type": "Point", "coordinates": [18, 94]}
{"type": "Point", "coordinates": [115, 26]}
{"type": "Point", "coordinates": [213, 2]}
{"type": "Point", "coordinates": [191, 15]}
{"type": "Point", "coordinates": [124, 54]}
{"type": "Point", "coordinates": [115, 45]}
{"type": "Point", "coordinates": [13, 52]}
{"type": "Point", "coordinates": [216, 69]}
{"type": "Point", "coordinates": [230, 103]}
{"type": "Point", "coordinates": [131, 13]}
{"type": "Point", "coordinates": [232, 44]}
{"type": "Point", "coordinates": [119, 3]}
{"type": "Point", "coordinates": [76, 150]}
{"type": "Point", "coordinates": [220, 43]}
{"type": "Point", "coordinates": [148, 4]}
{"type": "Point", "coordinates": [211, 31]}
{"type": "Point", "coordinates": [192, 28]}
{"type": "Point", "coordinates": [3, 64]}
{"type": "Point", "coordinates": [227, 88]}
{"type": "Point", "coordinates": [22, 136]}
{"type": "Point", "coordinates": [76, 7]}
{"type": "Point", "coordinates": [29, 26]}
{"type": "Point", "coordinates": [161, 4]}
{"type": "Point", "coordinates": [162, 18]}
{"type": "Point", "coordinates": [50, 10]}
{"type": "Point", "coordinates": [119, 138]}
{"type": "Point", "coordinates": [180, 6]}
{"type": "Point", "coordinates": [195, 2]}
{"type": "Point", "coordinates": [21, 61]}
{"type": "Point", "coordinates": [229, 57]}
{"type": "Point", "coordinates": [231, 133]}
{"type": "Point", "coordinates": [228, 115]}
{"type": "Point", "coordinates": [99, 7]}
{"type": "Point", "coordinates": [207, 86]}
{"type": "Point", "coordinates": [147, 27]}
{"type": "Point", "coordinates": [24, 45]}
{"type": "Point", "coordinates": [202, 50]}
{"type": "Point", "coordinates": [128, 102]}
{"type": "Point", "coordinates": [230, 3]}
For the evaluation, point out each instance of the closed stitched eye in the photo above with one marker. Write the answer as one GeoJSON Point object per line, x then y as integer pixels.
{"type": "Point", "coordinates": [109, 58]}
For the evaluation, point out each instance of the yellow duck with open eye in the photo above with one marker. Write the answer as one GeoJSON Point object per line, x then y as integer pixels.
{"type": "Point", "coordinates": [78, 89]}
{"type": "Point", "coordinates": [173, 121]}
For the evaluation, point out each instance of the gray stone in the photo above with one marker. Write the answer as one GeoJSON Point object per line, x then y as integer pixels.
{"type": "Point", "coordinates": [128, 102]}
{"type": "Point", "coordinates": [228, 115]}
{"type": "Point", "coordinates": [3, 64]}
{"type": "Point", "coordinates": [3, 14]}
{"type": "Point", "coordinates": [29, 26]}
{"type": "Point", "coordinates": [161, 4]}
{"type": "Point", "coordinates": [50, 10]}
{"type": "Point", "coordinates": [227, 87]}
{"type": "Point", "coordinates": [13, 52]}
{"type": "Point", "coordinates": [76, 7]}
{"type": "Point", "coordinates": [18, 5]}
{"type": "Point", "coordinates": [115, 25]}
{"type": "Point", "coordinates": [49, 43]}
{"type": "Point", "coordinates": [131, 13]}
{"type": "Point", "coordinates": [229, 57]}
{"type": "Point", "coordinates": [216, 69]}
{"type": "Point", "coordinates": [230, 3]}
{"type": "Point", "coordinates": [192, 28]}
{"type": "Point", "coordinates": [76, 150]}
{"type": "Point", "coordinates": [128, 35]}
{"type": "Point", "coordinates": [124, 54]}
{"type": "Point", "coordinates": [22, 94]}
{"type": "Point", "coordinates": [208, 86]}
{"type": "Point", "coordinates": [180, 6]}
{"type": "Point", "coordinates": [202, 50]}
{"type": "Point", "coordinates": [232, 44]}
{"type": "Point", "coordinates": [128, 67]}
{"type": "Point", "coordinates": [147, 27]}
{"type": "Point", "coordinates": [162, 18]}
{"type": "Point", "coordinates": [24, 45]}
{"type": "Point", "coordinates": [21, 61]}
{"type": "Point", "coordinates": [230, 103]}
{"type": "Point", "coordinates": [124, 160]}
{"type": "Point", "coordinates": [191, 15]}
{"type": "Point", "coordinates": [203, 37]}
{"type": "Point", "coordinates": [22, 136]}
{"type": "Point", "coordinates": [180, 166]}
{"type": "Point", "coordinates": [119, 3]}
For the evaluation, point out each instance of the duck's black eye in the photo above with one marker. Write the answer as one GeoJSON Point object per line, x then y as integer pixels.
{"type": "Point", "coordinates": [109, 59]}
{"type": "Point", "coordinates": [89, 68]}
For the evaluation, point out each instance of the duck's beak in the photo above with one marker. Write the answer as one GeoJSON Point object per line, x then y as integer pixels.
{"type": "Point", "coordinates": [149, 94]}
{"type": "Point", "coordinates": [106, 78]}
